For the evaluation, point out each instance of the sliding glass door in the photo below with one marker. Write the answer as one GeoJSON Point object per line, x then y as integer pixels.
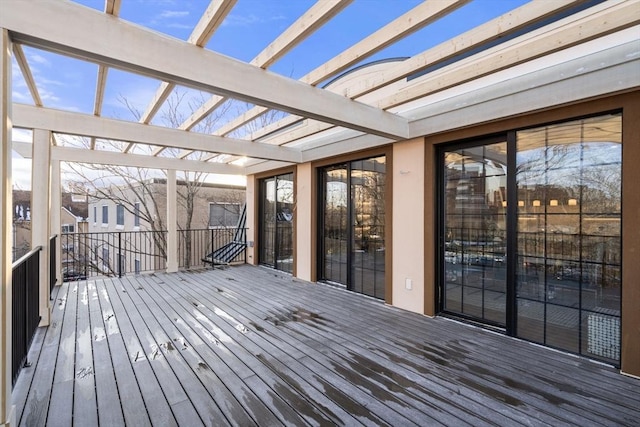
{"type": "Point", "coordinates": [568, 226]}
{"type": "Point", "coordinates": [530, 234]}
{"type": "Point", "coordinates": [353, 225]}
{"type": "Point", "coordinates": [276, 222]}
{"type": "Point", "coordinates": [475, 185]}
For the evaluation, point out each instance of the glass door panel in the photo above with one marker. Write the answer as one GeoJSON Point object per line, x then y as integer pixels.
{"type": "Point", "coordinates": [353, 225]}
{"type": "Point", "coordinates": [475, 187]}
{"type": "Point", "coordinates": [284, 222]}
{"type": "Point", "coordinates": [276, 222]}
{"type": "Point", "coordinates": [268, 221]}
{"type": "Point", "coordinates": [568, 235]}
{"type": "Point", "coordinates": [335, 224]}
{"type": "Point", "coordinates": [368, 220]}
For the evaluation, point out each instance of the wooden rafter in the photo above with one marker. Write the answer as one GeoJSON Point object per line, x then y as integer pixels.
{"type": "Point", "coordinates": [191, 66]}
{"type": "Point", "coordinates": [594, 22]}
{"type": "Point", "coordinates": [210, 21]}
{"type": "Point", "coordinates": [111, 7]}
{"type": "Point", "coordinates": [416, 18]}
{"type": "Point", "coordinates": [26, 73]}
{"type": "Point", "coordinates": [66, 122]}
{"type": "Point", "coordinates": [310, 21]}
{"type": "Point", "coordinates": [117, 158]}
{"type": "Point", "coordinates": [505, 25]}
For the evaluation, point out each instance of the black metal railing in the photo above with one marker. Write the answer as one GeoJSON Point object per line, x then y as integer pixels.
{"type": "Point", "coordinates": [195, 245]}
{"type": "Point", "coordinates": [52, 262]}
{"type": "Point", "coordinates": [124, 252]}
{"type": "Point", "coordinates": [112, 253]}
{"type": "Point", "coordinates": [25, 308]}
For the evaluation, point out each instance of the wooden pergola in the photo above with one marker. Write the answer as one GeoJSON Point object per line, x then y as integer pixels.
{"type": "Point", "coordinates": [569, 45]}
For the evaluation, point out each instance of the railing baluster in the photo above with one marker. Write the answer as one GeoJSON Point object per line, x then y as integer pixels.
{"type": "Point", "coordinates": [25, 308]}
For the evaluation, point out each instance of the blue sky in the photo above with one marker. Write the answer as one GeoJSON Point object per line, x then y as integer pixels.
{"type": "Point", "coordinates": [69, 84]}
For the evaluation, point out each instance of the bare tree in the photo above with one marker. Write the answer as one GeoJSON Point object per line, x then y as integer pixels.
{"type": "Point", "coordinates": [136, 188]}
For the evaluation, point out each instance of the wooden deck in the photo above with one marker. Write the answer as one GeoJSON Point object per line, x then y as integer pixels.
{"type": "Point", "coordinates": [251, 346]}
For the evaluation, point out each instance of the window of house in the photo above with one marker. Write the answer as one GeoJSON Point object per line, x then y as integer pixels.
{"type": "Point", "coordinates": [105, 215]}
{"type": "Point", "coordinates": [224, 214]}
{"type": "Point", "coordinates": [136, 213]}
{"type": "Point", "coordinates": [105, 257]}
{"type": "Point", "coordinates": [119, 215]}
{"type": "Point", "coordinates": [68, 228]}
{"type": "Point", "coordinates": [95, 214]}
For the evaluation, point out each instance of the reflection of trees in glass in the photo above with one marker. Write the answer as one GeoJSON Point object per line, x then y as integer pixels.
{"type": "Point", "coordinates": [569, 196]}
{"type": "Point", "coordinates": [476, 201]}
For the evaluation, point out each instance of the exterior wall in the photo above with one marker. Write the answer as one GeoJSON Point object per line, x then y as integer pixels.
{"type": "Point", "coordinates": [304, 222]}
{"type": "Point", "coordinates": [206, 195]}
{"type": "Point", "coordinates": [200, 220]}
{"type": "Point", "coordinates": [252, 218]}
{"type": "Point", "coordinates": [414, 238]}
{"type": "Point", "coordinates": [629, 103]}
{"type": "Point", "coordinates": [408, 219]}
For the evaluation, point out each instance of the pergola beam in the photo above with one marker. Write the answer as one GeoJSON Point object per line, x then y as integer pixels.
{"type": "Point", "coordinates": [452, 75]}
{"type": "Point", "coordinates": [594, 22]}
{"type": "Point", "coordinates": [211, 19]}
{"type": "Point", "coordinates": [209, 22]}
{"type": "Point", "coordinates": [189, 65]}
{"type": "Point", "coordinates": [317, 15]}
{"type": "Point", "coordinates": [418, 17]}
{"type": "Point", "coordinates": [111, 7]}
{"type": "Point", "coordinates": [26, 73]}
{"type": "Point", "coordinates": [30, 117]}
{"type": "Point", "coordinates": [502, 26]}
{"type": "Point", "coordinates": [115, 158]}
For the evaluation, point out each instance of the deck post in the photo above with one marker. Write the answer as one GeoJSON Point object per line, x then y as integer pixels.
{"type": "Point", "coordinates": [55, 225]}
{"type": "Point", "coordinates": [40, 209]}
{"type": "Point", "coordinates": [6, 216]}
{"type": "Point", "coordinates": [172, 223]}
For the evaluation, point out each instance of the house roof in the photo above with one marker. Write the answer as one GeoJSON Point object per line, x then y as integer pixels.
{"type": "Point", "coordinates": [506, 65]}
{"type": "Point", "coordinates": [22, 204]}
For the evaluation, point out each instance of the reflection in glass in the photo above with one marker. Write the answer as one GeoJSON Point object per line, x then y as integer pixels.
{"type": "Point", "coordinates": [354, 225]}
{"type": "Point", "coordinates": [568, 263]}
{"type": "Point", "coordinates": [268, 221]}
{"type": "Point", "coordinates": [368, 248]}
{"type": "Point", "coordinates": [335, 233]}
{"type": "Point", "coordinates": [475, 232]}
{"type": "Point", "coordinates": [276, 226]}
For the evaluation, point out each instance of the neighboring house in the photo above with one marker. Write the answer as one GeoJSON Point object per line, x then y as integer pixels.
{"type": "Point", "coordinates": [73, 216]}
{"type": "Point", "coordinates": [116, 249]}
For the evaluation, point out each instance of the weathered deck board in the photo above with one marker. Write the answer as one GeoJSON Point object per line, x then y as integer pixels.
{"type": "Point", "coordinates": [252, 346]}
{"type": "Point", "coordinates": [540, 408]}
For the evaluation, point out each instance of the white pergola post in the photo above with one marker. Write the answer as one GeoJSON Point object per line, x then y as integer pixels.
{"type": "Point", "coordinates": [40, 209]}
{"type": "Point", "coordinates": [55, 225]}
{"type": "Point", "coordinates": [6, 216]}
{"type": "Point", "coordinates": [172, 222]}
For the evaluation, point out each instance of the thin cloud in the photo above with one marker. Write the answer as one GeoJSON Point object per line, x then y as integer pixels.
{"type": "Point", "coordinates": [170, 14]}
{"type": "Point", "coordinates": [180, 26]}
{"type": "Point", "coordinates": [39, 59]}
{"type": "Point", "coordinates": [248, 20]}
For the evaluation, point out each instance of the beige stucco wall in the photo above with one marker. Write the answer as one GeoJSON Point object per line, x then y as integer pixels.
{"type": "Point", "coordinates": [251, 219]}
{"type": "Point", "coordinates": [304, 225]}
{"type": "Point", "coordinates": [408, 225]}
